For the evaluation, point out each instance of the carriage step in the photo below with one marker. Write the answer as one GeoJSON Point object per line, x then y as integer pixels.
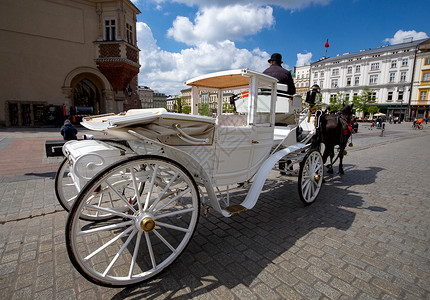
{"type": "Point", "coordinates": [235, 209]}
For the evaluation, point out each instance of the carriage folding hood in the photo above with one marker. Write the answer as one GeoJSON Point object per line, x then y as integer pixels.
{"type": "Point", "coordinates": [233, 80]}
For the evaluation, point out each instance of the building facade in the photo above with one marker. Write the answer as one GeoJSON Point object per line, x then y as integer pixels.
{"type": "Point", "coordinates": [301, 80]}
{"type": "Point", "coordinates": [186, 97]}
{"type": "Point", "coordinates": [420, 100]}
{"type": "Point", "coordinates": [63, 58]}
{"type": "Point", "coordinates": [171, 103]}
{"type": "Point", "coordinates": [160, 100]}
{"type": "Point", "coordinates": [386, 71]}
{"type": "Point", "coordinates": [146, 96]}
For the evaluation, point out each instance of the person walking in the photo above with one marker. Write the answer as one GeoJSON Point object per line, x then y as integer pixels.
{"type": "Point", "coordinates": [69, 131]}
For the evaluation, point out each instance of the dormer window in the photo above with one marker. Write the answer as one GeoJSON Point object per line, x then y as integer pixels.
{"type": "Point", "coordinates": [110, 30]}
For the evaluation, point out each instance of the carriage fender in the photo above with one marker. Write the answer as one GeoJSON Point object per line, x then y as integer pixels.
{"type": "Point", "coordinates": [263, 172]}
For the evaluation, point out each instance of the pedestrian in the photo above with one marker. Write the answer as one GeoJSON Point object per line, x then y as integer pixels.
{"type": "Point", "coordinates": [68, 131]}
{"type": "Point", "coordinates": [276, 70]}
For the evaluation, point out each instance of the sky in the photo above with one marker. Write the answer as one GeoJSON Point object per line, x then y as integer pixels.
{"type": "Point", "coordinates": [182, 39]}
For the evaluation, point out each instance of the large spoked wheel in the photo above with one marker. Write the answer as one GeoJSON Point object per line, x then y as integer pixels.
{"type": "Point", "coordinates": [310, 176]}
{"type": "Point", "coordinates": [143, 239]}
{"type": "Point", "coordinates": [65, 190]}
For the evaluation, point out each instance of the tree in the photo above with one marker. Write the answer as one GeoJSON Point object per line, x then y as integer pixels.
{"type": "Point", "coordinates": [337, 101]}
{"type": "Point", "coordinates": [364, 102]}
{"type": "Point", "coordinates": [227, 108]}
{"type": "Point", "coordinates": [186, 109]}
{"type": "Point", "coordinates": [178, 104]}
{"type": "Point", "coordinates": [204, 109]}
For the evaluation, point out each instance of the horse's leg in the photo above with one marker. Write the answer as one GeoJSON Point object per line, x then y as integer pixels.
{"type": "Point", "coordinates": [328, 153]}
{"type": "Point", "coordinates": [341, 160]}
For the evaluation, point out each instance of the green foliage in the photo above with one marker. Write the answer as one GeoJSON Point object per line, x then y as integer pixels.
{"type": "Point", "coordinates": [186, 109]}
{"type": "Point", "coordinates": [178, 104]}
{"type": "Point", "coordinates": [365, 102]}
{"type": "Point", "coordinates": [337, 101]}
{"type": "Point", "coordinates": [372, 109]}
{"type": "Point", "coordinates": [204, 109]}
{"type": "Point", "coordinates": [227, 108]}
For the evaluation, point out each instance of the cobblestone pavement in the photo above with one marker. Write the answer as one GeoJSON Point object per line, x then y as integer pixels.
{"type": "Point", "coordinates": [366, 237]}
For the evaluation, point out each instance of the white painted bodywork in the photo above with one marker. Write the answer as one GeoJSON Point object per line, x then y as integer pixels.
{"type": "Point", "coordinates": [219, 151]}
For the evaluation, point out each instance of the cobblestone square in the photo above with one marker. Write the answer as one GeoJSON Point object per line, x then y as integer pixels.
{"type": "Point", "coordinates": [366, 237]}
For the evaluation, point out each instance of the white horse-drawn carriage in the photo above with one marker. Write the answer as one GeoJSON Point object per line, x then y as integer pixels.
{"type": "Point", "coordinates": [134, 206]}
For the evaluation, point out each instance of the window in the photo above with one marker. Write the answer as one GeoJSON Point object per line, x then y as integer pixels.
{"type": "Point", "coordinates": [426, 76]}
{"type": "Point", "coordinates": [346, 97]}
{"type": "Point", "coordinates": [393, 63]}
{"type": "Point", "coordinates": [357, 69]}
{"type": "Point", "coordinates": [390, 96]}
{"type": "Point", "coordinates": [129, 29]}
{"type": "Point", "coordinates": [374, 66]}
{"type": "Point", "coordinates": [423, 95]}
{"type": "Point", "coordinates": [348, 81]}
{"type": "Point", "coordinates": [110, 30]}
{"type": "Point", "coordinates": [427, 61]}
{"type": "Point", "coordinates": [403, 76]}
{"type": "Point", "coordinates": [371, 96]}
{"type": "Point", "coordinates": [316, 74]}
{"type": "Point", "coordinates": [349, 70]}
{"type": "Point", "coordinates": [334, 83]}
{"type": "Point", "coordinates": [322, 73]}
{"type": "Point", "coordinates": [373, 79]}
{"type": "Point", "coordinates": [392, 77]}
{"type": "Point", "coordinates": [356, 80]}
{"type": "Point", "coordinates": [335, 72]}
{"type": "Point", "coordinates": [404, 62]}
{"type": "Point", "coordinates": [400, 98]}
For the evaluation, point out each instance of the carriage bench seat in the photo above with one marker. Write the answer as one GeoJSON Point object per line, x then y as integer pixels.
{"type": "Point", "coordinates": [54, 148]}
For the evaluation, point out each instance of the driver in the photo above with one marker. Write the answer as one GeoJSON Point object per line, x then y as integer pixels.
{"type": "Point", "coordinates": [276, 70]}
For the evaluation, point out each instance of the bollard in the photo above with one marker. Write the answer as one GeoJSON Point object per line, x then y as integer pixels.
{"type": "Point", "coordinates": [382, 129]}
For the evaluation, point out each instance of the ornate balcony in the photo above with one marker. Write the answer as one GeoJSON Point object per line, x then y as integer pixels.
{"type": "Point", "coordinates": [118, 61]}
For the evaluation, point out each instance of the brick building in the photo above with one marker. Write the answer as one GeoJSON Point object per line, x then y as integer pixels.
{"type": "Point", "coordinates": [66, 57]}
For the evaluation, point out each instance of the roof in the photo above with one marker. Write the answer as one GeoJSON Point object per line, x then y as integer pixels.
{"type": "Point", "coordinates": [373, 51]}
{"type": "Point", "coordinates": [228, 79]}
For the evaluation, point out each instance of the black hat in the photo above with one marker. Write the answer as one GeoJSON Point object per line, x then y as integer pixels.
{"type": "Point", "coordinates": [276, 57]}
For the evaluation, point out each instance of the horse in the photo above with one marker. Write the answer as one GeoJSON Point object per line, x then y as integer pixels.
{"type": "Point", "coordinates": [332, 130]}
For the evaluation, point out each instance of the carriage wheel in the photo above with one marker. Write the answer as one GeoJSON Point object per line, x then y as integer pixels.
{"type": "Point", "coordinates": [65, 190]}
{"type": "Point", "coordinates": [145, 238]}
{"type": "Point", "coordinates": [310, 176]}
{"type": "Point", "coordinates": [66, 193]}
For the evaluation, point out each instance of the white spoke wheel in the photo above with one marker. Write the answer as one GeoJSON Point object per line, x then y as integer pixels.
{"type": "Point", "coordinates": [145, 238]}
{"type": "Point", "coordinates": [310, 176]}
{"type": "Point", "coordinates": [65, 190]}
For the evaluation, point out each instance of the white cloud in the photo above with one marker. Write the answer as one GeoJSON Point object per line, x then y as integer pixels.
{"type": "Point", "coordinates": [166, 71]}
{"type": "Point", "coordinates": [400, 35]}
{"type": "Point", "coordinates": [287, 4]}
{"type": "Point", "coordinates": [303, 59]}
{"type": "Point", "coordinates": [217, 24]}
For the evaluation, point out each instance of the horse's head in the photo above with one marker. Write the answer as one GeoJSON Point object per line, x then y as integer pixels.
{"type": "Point", "coordinates": [346, 111]}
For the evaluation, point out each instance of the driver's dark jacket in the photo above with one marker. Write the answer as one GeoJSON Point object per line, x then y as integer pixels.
{"type": "Point", "coordinates": [283, 76]}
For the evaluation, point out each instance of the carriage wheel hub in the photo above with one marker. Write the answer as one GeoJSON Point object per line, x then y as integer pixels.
{"type": "Point", "coordinates": [317, 177]}
{"type": "Point", "coordinates": [147, 224]}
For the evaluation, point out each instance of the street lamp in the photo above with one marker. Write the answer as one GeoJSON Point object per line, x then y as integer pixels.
{"type": "Point", "coordinates": [401, 104]}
